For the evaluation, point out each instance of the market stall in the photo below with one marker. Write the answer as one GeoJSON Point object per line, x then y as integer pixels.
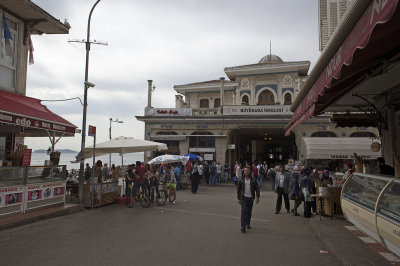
{"type": "Point", "coordinates": [372, 204]}
{"type": "Point", "coordinates": [104, 193]}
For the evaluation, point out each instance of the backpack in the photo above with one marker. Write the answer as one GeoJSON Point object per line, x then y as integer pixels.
{"type": "Point", "coordinates": [262, 169]}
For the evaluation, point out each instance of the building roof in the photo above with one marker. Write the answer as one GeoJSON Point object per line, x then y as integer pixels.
{"type": "Point", "coordinates": [34, 17]}
{"type": "Point", "coordinates": [210, 85]}
{"type": "Point", "coordinates": [268, 67]}
{"type": "Point", "coordinates": [271, 58]}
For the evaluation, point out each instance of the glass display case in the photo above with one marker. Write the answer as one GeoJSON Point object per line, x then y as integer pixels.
{"type": "Point", "coordinates": [372, 203]}
{"type": "Point", "coordinates": [26, 188]}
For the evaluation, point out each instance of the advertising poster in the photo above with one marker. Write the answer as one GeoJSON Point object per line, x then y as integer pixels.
{"type": "Point", "coordinates": [59, 191]}
{"type": "Point", "coordinates": [45, 191]}
{"type": "Point", "coordinates": [26, 157]}
{"type": "Point", "coordinates": [35, 194]}
{"type": "Point", "coordinates": [11, 195]}
{"type": "Point", "coordinates": [13, 198]}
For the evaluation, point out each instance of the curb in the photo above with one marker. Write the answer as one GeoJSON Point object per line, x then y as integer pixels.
{"type": "Point", "coordinates": [41, 217]}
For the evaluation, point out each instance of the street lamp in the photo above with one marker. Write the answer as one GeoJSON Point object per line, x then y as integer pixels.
{"type": "Point", "coordinates": [87, 84]}
{"type": "Point", "coordinates": [115, 121]}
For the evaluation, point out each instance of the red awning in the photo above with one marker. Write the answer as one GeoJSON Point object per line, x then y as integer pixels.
{"type": "Point", "coordinates": [378, 12]}
{"type": "Point", "coordinates": [30, 113]}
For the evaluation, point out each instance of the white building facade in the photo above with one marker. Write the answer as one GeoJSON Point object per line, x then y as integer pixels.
{"type": "Point", "coordinates": [239, 119]}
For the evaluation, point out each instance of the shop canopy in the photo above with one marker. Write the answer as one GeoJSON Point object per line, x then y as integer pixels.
{"type": "Point", "coordinates": [39, 20]}
{"type": "Point", "coordinates": [33, 117]}
{"type": "Point", "coordinates": [365, 45]}
{"type": "Point", "coordinates": [337, 148]}
{"type": "Point", "coordinates": [122, 145]}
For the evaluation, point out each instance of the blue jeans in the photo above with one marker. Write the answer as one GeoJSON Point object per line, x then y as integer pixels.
{"type": "Point", "coordinates": [212, 179]}
{"type": "Point", "coordinates": [272, 183]}
{"type": "Point", "coordinates": [260, 180]}
{"type": "Point", "coordinates": [226, 175]}
{"type": "Point", "coordinates": [178, 179]}
{"type": "Point", "coordinates": [219, 178]}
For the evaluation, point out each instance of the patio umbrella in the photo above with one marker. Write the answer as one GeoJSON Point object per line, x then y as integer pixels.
{"type": "Point", "coordinates": [122, 145]}
{"type": "Point", "coordinates": [168, 158]}
{"type": "Point", "coordinates": [193, 157]}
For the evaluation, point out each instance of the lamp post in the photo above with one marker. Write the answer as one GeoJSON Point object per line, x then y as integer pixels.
{"type": "Point", "coordinates": [115, 121]}
{"type": "Point", "coordinates": [87, 84]}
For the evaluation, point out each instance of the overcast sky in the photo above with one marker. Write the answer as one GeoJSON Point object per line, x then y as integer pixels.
{"type": "Point", "coordinates": [171, 42]}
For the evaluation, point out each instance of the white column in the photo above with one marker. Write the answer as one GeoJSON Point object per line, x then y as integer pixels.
{"type": "Point", "coordinates": [222, 91]}
{"type": "Point", "coordinates": [149, 93]}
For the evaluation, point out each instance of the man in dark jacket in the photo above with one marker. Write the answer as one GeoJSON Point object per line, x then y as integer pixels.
{"type": "Point", "coordinates": [282, 181]}
{"type": "Point", "coordinates": [382, 168]}
{"type": "Point", "coordinates": [247, 191]}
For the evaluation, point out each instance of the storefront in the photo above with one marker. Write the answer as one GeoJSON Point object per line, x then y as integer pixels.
{"type": "Point", "coordinates": [357, 75]}
{"type": "Point", "coordinates": [22, 116]}
{"type": "Point", "coordinates": [357, 81]}
{"type": "Point", "coordinates": [23, 187]}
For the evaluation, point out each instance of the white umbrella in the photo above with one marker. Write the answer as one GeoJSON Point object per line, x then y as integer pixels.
{"type": "Point", "coordinates": [122, 145]}
{"type": "Point", "coordinates": [168, 158]}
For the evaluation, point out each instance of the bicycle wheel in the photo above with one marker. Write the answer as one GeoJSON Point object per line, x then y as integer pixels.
{"type": "Point", "coordinates": [162, 198]}
{"type": "Point", "coordinates": [144, 200]}
{"type": "Point", "coordinates": [171, 196]}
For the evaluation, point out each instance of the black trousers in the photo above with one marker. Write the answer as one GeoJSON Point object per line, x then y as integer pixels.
{"type": "Point", "coordinates": [247, 207]}
{"type": "Point", "coordinates": [195, 182]}
{"type": "Point", "coordinates": [307, 209]}
{"type": "Point", "coordinates": [280, 192]}
{"type": "Point", "coordinates": [297, 203]}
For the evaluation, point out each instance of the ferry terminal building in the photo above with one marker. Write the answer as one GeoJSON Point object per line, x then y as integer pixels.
{"type": "Point", "coordinates": [243, 118]}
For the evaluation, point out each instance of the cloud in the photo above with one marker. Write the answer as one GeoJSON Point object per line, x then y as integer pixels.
{"type": "Point", "coordinates": [171, 42]}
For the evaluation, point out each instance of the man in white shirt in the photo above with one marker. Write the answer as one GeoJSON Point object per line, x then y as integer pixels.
{"type": "Point", "coordinates": [247, 191]}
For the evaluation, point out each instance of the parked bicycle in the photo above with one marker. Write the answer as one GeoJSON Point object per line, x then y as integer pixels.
{"type": "Point", "coordinates": [142, 197]}
{"type": "Point", "coordinates": [165, 193]}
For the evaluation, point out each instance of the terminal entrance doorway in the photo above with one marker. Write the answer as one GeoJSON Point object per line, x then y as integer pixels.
{"type": "Point", "coordinates": [269, 145]}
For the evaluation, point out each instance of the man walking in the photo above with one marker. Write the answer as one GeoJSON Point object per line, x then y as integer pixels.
{"type": "Point", "coordinates": [271, 174]}
{"type": "Point", "coordinates": [282, 181]}
{"type": "Point", "coordinates": [261, 173]}
{"type": "Point", "coordinates": [213, 174]}
{"type": "Point", "coordinates": [195, 178]}
{"type": "Point", "coordinates": [247, 191]}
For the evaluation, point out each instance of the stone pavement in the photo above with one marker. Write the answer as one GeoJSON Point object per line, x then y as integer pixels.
{"type": "Point", "coordinates": [39, 215]}
{"type": "Point", "coordinates": [201, 229]}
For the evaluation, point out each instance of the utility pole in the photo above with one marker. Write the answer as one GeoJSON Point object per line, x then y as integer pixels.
{"type": "Point", "coordinates": [87, 84]}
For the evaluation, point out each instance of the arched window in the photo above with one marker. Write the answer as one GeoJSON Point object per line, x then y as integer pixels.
{"type": "Point", "coordinates": [217, 102]}
{"type": "Point", "coordinates": [245, 100]}
{"type": "Point", "coordinates": [204, 103]}
{"type": "Point", "coordinates": [362, 134]}
{"type": "Point", "coordinates": [288, 99]}
{"type": "Point", "coordinates": [323, 134]}
{"type": "Point", "coordinates": [266, 98]}
{"type": "Point", "coordinates": [201, 140]}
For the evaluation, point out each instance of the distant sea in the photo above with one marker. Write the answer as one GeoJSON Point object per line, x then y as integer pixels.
{"type": "Point", "coordinates": [38, 159]}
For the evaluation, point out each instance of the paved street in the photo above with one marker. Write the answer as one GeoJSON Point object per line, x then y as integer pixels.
{"type": "Point", "coordinates": [202, 229]}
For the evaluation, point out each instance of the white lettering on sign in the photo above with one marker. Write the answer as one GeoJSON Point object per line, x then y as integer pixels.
{"type": "Point", "coordinates": [377, 7]}
{"type": "Point", "coordinates": [257, 110]}
{"type": "Point", "coordinates": [57, 127]}
{"type": "Point", "coordinates": [6, 117]}
{"type": "Point", "coordinates": [23, 122]}
{"type": "Point", "coordinates": [46, 125]}
{"type": "Point", "coordinates": [334, 63]}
